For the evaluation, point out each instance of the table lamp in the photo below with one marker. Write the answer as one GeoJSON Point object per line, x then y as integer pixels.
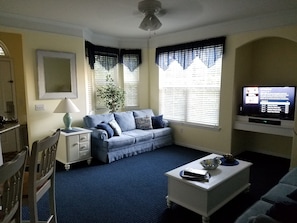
{"type": "Point", "coordinates": [66, 106]}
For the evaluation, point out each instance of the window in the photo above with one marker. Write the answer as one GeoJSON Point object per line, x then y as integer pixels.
{"type": "Point", "coordinates": [190, 80]}
{"type": "Point", "coordinates": [120, 65]}
{"type": "Point", "coordinates": [131, 60]}
{"type": "Point", "coordinates": [131, 80]}
{"type": "Point", "coordinates": [103, 66]}
{"type": "Point", "coordinates": [2, 53]}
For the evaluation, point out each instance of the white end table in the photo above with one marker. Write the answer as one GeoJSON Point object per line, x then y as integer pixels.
{"type": "Point", "coordinates": [74, 146]}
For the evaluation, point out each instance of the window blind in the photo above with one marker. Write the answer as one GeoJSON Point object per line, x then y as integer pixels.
{"type": "Point", "coordinates": [131, 80]}
{"type": "Point", "coordinates": [191, 93]}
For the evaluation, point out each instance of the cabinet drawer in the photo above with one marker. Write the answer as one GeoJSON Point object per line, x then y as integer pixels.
{"type": "Point", "coordinates": [84, 137]}
{"type": "Point", "coordinates": [84, 146]}
{"type": "Point", "coordinates": [84, 154]}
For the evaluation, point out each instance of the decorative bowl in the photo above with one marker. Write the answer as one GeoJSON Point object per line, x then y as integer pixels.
{"type": "Point", "coordinates": [229, 158]}
{"type": "Point", "coordinates": [210, 164]}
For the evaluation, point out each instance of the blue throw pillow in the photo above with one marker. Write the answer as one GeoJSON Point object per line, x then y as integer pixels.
{"type": "Point", "coordinates": [107, 128]}
{"type": "Point", "coordinates": [157, 122]}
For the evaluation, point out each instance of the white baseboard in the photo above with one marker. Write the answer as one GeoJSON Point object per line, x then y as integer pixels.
{"type": "Point", "coordinates": [198, 148]}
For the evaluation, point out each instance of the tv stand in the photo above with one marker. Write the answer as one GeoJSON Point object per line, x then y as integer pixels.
{"type": "Point", "coordinates": [264, 125]}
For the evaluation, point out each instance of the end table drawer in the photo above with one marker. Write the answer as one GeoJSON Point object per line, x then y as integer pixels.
{"type": "Point", "coordinates": [84, 154]}
{"type": "Point", "coordinates": [84, 137]}
{"type": "Point", "coordinates": [84, 146]}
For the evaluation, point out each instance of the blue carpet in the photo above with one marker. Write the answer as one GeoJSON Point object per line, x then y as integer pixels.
{"type": "Point", "coordinates": [133, 190]}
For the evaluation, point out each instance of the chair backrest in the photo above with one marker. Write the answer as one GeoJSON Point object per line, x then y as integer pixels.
{"type": "Point", "coordinates": [11, 187]}
{"type": "Point", "coordinates": [43, 163]}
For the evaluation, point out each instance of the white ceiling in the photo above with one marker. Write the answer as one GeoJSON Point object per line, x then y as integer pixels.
{"type": "Point", "coordinates": [120, 18]}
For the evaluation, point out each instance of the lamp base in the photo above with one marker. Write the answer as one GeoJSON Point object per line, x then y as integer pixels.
{"type": "Point", "coordinates": [67, 119]}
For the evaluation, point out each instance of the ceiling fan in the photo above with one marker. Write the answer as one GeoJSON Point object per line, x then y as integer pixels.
{"type": "Point", "coordinates": [150, 8]}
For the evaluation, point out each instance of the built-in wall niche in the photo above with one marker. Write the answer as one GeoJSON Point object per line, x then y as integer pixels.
{"type": "Point", "coordinates": [268, 61]}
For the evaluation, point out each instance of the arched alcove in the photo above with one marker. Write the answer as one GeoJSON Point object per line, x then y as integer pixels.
{"type": "Point", "coordinates": [269, 61]}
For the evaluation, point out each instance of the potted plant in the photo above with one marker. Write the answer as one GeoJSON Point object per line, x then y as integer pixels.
{"type": "Point", "coordinates": [111, 95]}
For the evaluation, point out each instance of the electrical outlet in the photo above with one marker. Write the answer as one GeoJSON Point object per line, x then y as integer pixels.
{"type": "Point", "coordinates": [39, 107]}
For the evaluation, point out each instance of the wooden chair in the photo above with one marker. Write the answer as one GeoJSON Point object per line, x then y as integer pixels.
{"type": "Point", "coordinates": [41, 176]}
{"type": "Point", "coordinates": [11, 188]}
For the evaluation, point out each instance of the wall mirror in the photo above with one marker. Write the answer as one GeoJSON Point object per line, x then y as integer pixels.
{"type": "Point", "coordinates": [56, 75]}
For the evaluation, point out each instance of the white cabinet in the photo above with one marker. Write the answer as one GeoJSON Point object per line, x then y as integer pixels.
{"type": "Point", "coordinates": [284, 128]}
{"type": "Point", "coordinates": [74, 146]}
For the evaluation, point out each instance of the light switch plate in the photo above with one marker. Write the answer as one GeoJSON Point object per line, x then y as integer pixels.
{"type": "Point", "coordinates": [39, 107]}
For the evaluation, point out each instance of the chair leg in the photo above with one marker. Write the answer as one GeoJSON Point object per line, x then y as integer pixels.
{"type": "Point", "coordinates": [51, 219]}
{"type": "Point", "coordinates": [52, 199]}
{"type": "Point", "coordinates": [33, 210]}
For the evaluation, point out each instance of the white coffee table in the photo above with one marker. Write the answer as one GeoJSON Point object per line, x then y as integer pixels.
{"type": "Point", "coordinates": [205, 198]}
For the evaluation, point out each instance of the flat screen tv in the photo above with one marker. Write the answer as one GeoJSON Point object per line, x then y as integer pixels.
{"type": "Point", "coordinates": [269, 101]}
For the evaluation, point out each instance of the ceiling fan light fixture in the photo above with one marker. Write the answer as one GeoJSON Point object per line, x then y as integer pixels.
{"type": "Point", "coordinates": [150, 23]}
{"type": "Point", "coordinates": [149, 6]}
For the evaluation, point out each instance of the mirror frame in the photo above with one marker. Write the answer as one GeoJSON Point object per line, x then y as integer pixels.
{"type": "Point", "coordinates": [41, 55]}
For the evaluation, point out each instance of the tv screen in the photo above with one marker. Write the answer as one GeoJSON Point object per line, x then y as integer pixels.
{"type": "Point", "coordinates": [269, 102]}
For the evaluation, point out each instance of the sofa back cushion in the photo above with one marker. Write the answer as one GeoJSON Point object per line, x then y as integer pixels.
{"type": "Point", "coordinates": [92, 121]}
{"type": "Point", "coordinates": [125, 120]}
{"type": "Point", "coordinates": [143, 113]}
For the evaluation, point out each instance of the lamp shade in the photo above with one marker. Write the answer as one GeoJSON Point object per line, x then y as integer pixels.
{"type": "Point", "coordinates": [150, 22]}
{"type": "Point", "coordinates": [66, 106]}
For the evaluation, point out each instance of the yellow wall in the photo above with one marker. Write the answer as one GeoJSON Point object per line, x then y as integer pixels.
{"type": "Point", "coordinates": [216, 140]}
{"type": "Point", "coordinates": [40, 123]}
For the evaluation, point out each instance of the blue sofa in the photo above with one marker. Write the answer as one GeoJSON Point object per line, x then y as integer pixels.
{"type": "Point", "coordinates": [123, 134]}
{"type": "Point", "coordinates": [278, 205]}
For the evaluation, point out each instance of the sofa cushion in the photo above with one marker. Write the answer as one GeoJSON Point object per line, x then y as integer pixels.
{"type": "Point", "coordinates": [143, 113]}
{"type": "Point", "coordinates": [293, 195]}
{"type": "Point", "coordinates": [260, 207]}
{"type": "Point", "coordinates": [107, 128]}
{"type": "Point", "coordinates": [157, 133]}
{"type": "Point", "coordinates": [143, 123]}
{"type": "Point", "coordinates": [262, 218]}
{"type": "Point", "coordinates": [157, 122]}
{"type": "Point", "coordinates": [115, 143]}
{"type": "Point", "coordinates": [91, 121]}
{"type": "Point", "coordinates": [284, 212]}
{"type": "Point", "coordinates": [125, 120]}
{"type": "Point", "coordinates": [290, 177]}
{"type": "Point", "coordinates": [279, 193]}
{"type": "Point", "coordinates": [116, 128]}
{"type": "Point", "coordinates": [139, 135]}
